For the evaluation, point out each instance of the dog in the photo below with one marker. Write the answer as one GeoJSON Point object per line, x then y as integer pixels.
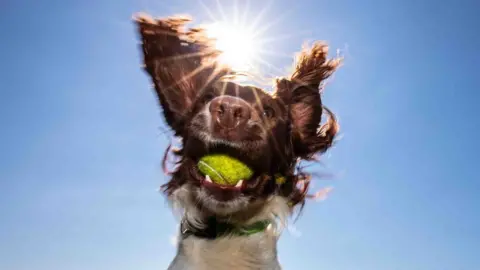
{"type": "Point", "coordinates": [234, 227]}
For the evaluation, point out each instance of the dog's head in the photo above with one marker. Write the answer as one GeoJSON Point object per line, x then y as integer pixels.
{"type": "Point", "coordinates": [269, 132]}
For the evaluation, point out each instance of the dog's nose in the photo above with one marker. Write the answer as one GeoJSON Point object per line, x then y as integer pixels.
{"type": "Point", "coordinates": [229, 112]}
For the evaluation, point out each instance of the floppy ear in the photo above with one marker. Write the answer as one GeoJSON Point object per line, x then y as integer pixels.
{"type": "Point", "coordinates": [302, 94]}
{"type": "Point", "coordinates": [179, 62]}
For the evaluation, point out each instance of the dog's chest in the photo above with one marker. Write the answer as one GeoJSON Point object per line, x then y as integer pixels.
{"type": "Point", "coordinates": [243, 253]}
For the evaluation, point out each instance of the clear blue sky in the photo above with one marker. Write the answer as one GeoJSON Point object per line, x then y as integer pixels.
{"type": "Point", "coordinates": [81, 138]}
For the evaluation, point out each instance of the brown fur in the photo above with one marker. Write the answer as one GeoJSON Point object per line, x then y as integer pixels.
{"type": "Point", "coordinates": [174, 57]}
{"type": "Point", "coordinates": [212, 114]}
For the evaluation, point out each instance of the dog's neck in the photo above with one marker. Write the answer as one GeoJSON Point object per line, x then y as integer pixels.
{"type": "Point", "coordinates": [243, 252]}
{"type": "Point", "coordinates": [214, 228]}
{"type": "Point", "coordinates": [254, 250]}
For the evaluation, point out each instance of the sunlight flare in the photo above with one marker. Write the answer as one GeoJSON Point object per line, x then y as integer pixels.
{"type": "Point", "coordinates": [237, 45]}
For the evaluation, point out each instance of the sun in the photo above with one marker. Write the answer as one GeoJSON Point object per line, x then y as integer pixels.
{"type": "Point", "coordinates": [237, 45]}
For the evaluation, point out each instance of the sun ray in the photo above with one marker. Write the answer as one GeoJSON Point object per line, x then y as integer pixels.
{"type": "Point", "coordinates": [224, 88]}
{"type": "Point", "coordinates": [209, 13]}
{"type": "Point", "coordinates": [276, 144]}
{"type": "Point", "coordinates": [259, 59]}
{"type": "Point", "coordinates": [260, 15]}
{"type": "Point", "coordinates": [245, 13]}
{"type": "Point", "coordinates": [237, 46]}
{"type": "Point", "coordinates": [242, 43]}
{"type": "Point", "coordinates": [220, 9]}
{"type": "Point", "coordinates": [183, 56]}
{"type": "Point", "coordinates": [266, 63]}
{"type": "Point", "coordinates": [264, 81]}
{"type": "Point", "coordinates": [188, 76]}
{"type": "Point", "coordinates": [209, 79]}
{"type": "Point", "coordinates": [274, 53]}
{"type": "Point", "coordinates": [277, 20]}
{"type": "Point", "coordinates": [283, 37]}
{"type": "Point", "coordinates": [235, 13]}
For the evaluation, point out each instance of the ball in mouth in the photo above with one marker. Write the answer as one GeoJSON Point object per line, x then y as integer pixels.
{"type": "Point", "coordinates": [224, 176]}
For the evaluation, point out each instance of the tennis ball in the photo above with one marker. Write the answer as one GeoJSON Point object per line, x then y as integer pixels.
{"type": "Point", "coordinates": [224, 169]}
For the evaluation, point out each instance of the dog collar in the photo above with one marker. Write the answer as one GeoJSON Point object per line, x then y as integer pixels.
{"type": "Point", "coordinates": [215, 229]}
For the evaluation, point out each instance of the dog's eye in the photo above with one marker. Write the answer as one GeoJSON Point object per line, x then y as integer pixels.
{"type": "Point", "coordinates": [207, 97]}
{"type": "Point", "coordinates": [268, 112]}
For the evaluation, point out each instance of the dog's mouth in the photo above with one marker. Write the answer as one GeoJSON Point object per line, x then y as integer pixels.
{"type": "Point", "coordinates": [219, 185]}
{"type": "Point", "coordinates": [223, 192]}
{"type": "Point", "coordinates": [252, 153]}
{"type": "Point", "coordinates": [208, 183]}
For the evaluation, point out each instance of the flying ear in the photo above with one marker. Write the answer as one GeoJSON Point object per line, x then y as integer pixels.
{"type": "Point", "coordinates": [180, 63]}
{"type": "Point", "coordinates": [302, 94]}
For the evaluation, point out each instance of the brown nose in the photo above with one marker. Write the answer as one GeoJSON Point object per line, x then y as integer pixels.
{"type": "Point", "coordinates": [229, 112]}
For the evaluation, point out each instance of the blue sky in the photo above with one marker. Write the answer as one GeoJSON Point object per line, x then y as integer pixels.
{"type": "Point", "coordinates": [82, 140]}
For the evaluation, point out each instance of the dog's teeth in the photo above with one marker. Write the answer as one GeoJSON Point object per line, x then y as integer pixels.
{"type": "Point", "coordinates": [207, 178]}
{"type": "Point", "coordinates": [239, 184]}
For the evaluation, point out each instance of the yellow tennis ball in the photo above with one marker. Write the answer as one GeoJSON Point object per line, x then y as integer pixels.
{"type": "Point", "coordinates": [223, 169]}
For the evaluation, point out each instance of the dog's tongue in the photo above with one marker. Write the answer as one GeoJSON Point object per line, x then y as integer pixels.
{"type": "Point", "coordinates": [222, 194]}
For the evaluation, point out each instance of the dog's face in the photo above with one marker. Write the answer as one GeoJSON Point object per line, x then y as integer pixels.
{"type": "Point", "coordinates": [243, 122]}
{"type": "Point", "coordinates": [267, 131]}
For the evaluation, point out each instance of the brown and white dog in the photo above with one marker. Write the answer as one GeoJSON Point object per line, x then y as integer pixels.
{"type": "Point", "coordinates": [234, 227]}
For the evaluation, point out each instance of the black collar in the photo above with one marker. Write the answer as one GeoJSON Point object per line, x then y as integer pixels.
{"type": "Point", "coordinates": [215, 229]}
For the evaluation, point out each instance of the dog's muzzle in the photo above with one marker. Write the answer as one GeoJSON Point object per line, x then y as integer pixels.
{"type": "Point", "coordinates": [229, 115]}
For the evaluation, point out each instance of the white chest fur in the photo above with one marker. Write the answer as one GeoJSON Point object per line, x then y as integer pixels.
{"type": "Point", "coordinates": [257, 251]}
{"type": "Point", "coordinates": [254, 252]}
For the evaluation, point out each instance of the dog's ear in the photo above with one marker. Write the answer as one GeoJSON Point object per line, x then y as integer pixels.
{"type": "Point", "coordinates": [302, 94]}
{"type": "Point", "coordinates": [179, 62]}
